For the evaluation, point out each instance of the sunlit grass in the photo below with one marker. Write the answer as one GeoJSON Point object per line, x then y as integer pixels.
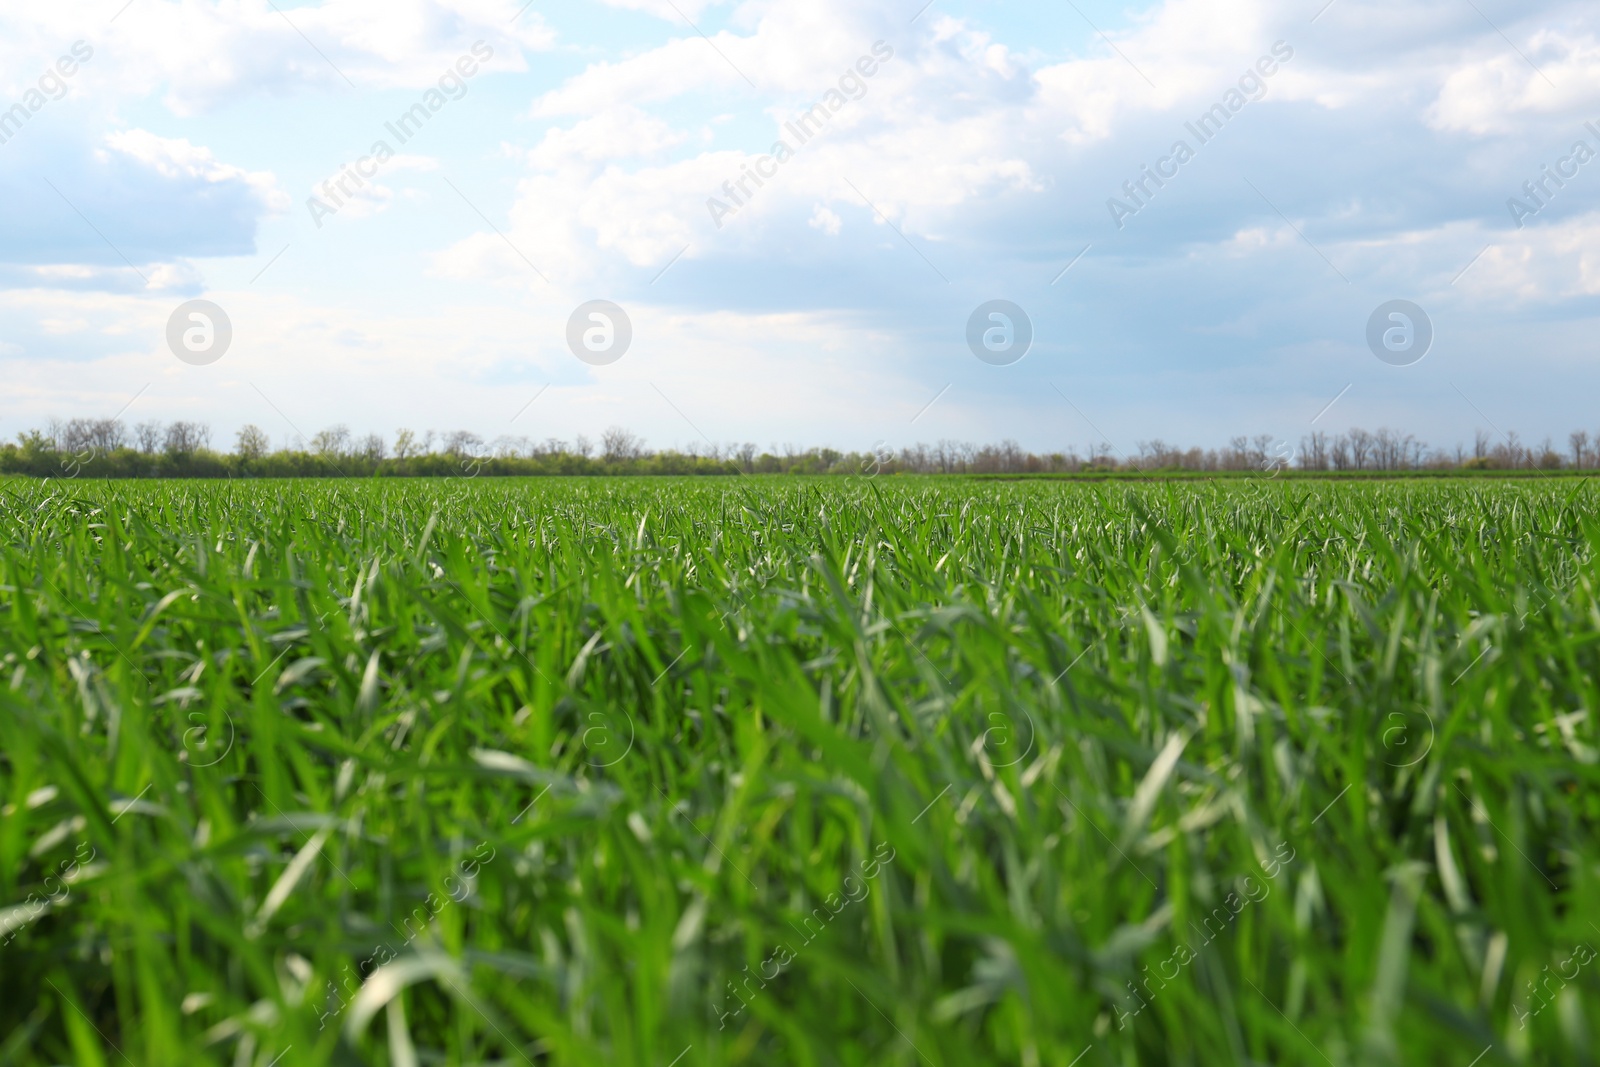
{"type": "Point", "coordinates": [789, 771]}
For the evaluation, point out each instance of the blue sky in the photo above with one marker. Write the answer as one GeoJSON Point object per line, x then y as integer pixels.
{"type": "Point", "coordinates": [1375, 162]}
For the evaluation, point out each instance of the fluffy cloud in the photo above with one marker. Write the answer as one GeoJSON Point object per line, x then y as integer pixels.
{"type": "Point", "coordinates": [670, 10]}
{"type": "Point", "coordinates": [1496, 93]}
{"type": "Point", "coordinates": [131, 201]}
{"type": "Point", "coordinates": [204, 54]}
{"type": "Point", "coordinates": [179, 161]}
{"type": "Point", "coordinates": [958, 119]}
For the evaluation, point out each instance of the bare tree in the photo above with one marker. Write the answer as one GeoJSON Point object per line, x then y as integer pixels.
{"type": "Point", "coordinates": [507, 447]}
{"type": "Point", "coordinates": [334, 441]}
{"type": "Point", "coordinates": [1314, 451]}
{"type": "Point", "coordinates": [914, 459]}
{"type": "Point", "coordinates": [1360, 448]}
{"type": "Point", "coordinates": [463, 443]}
{"type": "Point", "coordinates": [1393, 451]}
{"type": "Point", "coordinates": [1339, 455]}
{"type": "Point", "coordinates": [1157, 454]}
{"type": "Point", "coordinates": [1416, 453]}
{"type": "Point", "coordinates": [1513, 450]}
{"type": "Point", "coordinates": [1356, 449]}
{"type": "Point", "coordinates": [1010, 456]}
{"type": "Point", "coordinates": [89, 435]}
{"type": "Point", "coordinates": [617, 445]}
{"type": "Point", "coordinates": [68, 436]}
{"type": "Point", "coordinates": [1579, 441]}
{"type": "Point", "coordinates": [110, 435]}
{"type": "Point", "coordinates": [147, 437]}
{"type": "Point", "coordinates": [372, 447]}
{"type": "Point", "coordinates": [252, 442]}
{"type": "Point", "coordinates": [1259, 446]}
{"type": "Point", "coordinates": [186, 438]}
{"type": "Point", "coordinates": [1549, 458]}
{"type": "Point", "coordinates": [1384, 448]}
{"type": "Point", "coordinates": [1237, 455]}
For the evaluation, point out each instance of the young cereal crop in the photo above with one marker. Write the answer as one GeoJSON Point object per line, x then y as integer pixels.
{"type": "Point", "coordinates": [828, 772]}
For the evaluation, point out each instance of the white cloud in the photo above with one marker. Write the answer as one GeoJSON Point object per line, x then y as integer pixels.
{"type": "Point", "coordinates": [835, 35]}
{"type": "Point", "coordinates": [957, 118]}
{"type": "Point", "coordinates": [202, 54]}
{"type": "Point", "coordinates": [825, 220]}
{"type": "Point", "coordinates": [1497, 92]}
{"type": "Point", "coordinates": [623, 132]}
{"type": "Point", "coordinates": [63, 326]}
{"type": "Point", "coordinates": [156, 199]}
{"type": "Point", "coordinates": [176, 158]}
{"type": "Point", "coordinates": [674, 11]}
{"type": "Point", "coordinates": [1541, 264]}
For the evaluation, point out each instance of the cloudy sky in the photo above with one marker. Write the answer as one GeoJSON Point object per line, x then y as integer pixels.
{"type": "Point", "coordinates": [384, 273]}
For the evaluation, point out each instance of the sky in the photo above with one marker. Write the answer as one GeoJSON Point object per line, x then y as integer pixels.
{"type": "Point", "coordinates": [405, 208]}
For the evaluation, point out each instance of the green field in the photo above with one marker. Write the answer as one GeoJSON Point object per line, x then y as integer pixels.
{"type": "Point", "coordinates": [833, 771]}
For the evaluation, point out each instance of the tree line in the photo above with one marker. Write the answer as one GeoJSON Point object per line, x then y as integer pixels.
{"type": "Point", "coordinates": [107, 448]}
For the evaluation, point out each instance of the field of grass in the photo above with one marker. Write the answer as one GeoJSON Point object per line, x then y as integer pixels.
{"type": "Point", "coordinates": [827, 772]}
